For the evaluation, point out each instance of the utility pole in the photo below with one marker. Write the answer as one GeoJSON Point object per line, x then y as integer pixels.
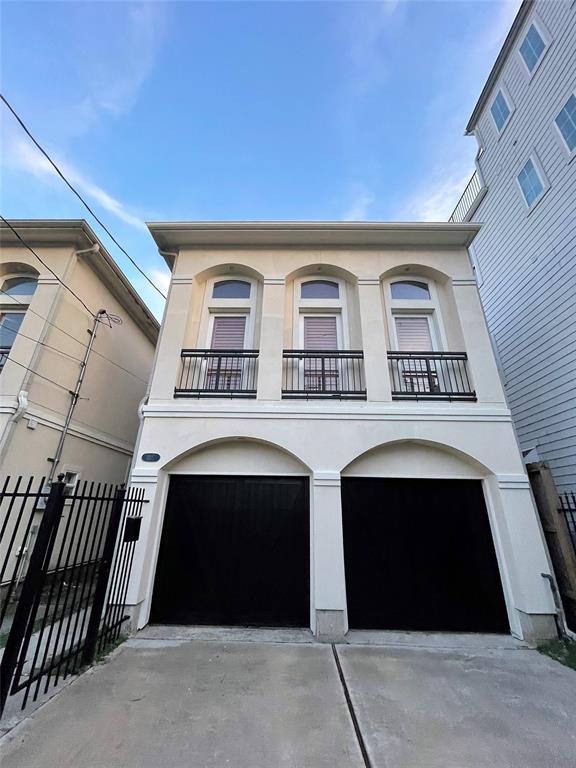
{"type": "Point", "coordinates": [74, 396]}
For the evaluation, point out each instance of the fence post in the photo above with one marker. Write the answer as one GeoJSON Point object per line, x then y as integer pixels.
{"type": "Point", "coordinates": [557, 537]}
{"type": "Point", "coordinates": [23, 622]}
{"type": "Point", "coordinates": [103, 577]}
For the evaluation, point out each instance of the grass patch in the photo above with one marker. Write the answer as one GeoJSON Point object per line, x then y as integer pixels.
{"type": "Point", "coordinates": [563, 651]}
{"type": "Point", "coordinates": [100, 657]}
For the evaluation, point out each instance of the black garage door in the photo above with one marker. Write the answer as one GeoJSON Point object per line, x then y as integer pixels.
{"type": "Point", "coordinates": [234, 551]}
{"type": "Point", "coordinates": [419, 555]}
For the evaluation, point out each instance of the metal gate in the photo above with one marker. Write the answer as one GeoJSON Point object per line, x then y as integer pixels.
{"type": "Point", "coordinates": [64, 573]}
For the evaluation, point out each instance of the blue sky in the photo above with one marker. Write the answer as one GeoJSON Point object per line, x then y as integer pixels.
{"type": "Point", "coordinates": [242, 110]}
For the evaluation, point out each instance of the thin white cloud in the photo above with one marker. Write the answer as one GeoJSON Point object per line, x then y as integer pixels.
{"type": "Point", "coordinates": [438, 201]}
{"type": "Point", "coordinates": [24, 156]}
{"type": "Point", "coordinates": [435, 196]}
{"type": "Point", "coordinates": [119, 83]}
{"type": "Point", "coordinates": [359, 206]}
{"type": "Point", "coordinates": [160, 278]}
{"type": "Point", "coordinates": [367, 51]}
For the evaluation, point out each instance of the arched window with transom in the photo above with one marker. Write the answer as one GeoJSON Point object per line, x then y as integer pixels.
{"type": "Point", "coordinates": [16, 294]}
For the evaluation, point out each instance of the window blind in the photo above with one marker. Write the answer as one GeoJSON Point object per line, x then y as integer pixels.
{"type": "Point", "coordinates": [228, 332]}
{"type": "Point", "coordinates": [320, 333]}
{"type": "Point", "coordinates": [413, 334]}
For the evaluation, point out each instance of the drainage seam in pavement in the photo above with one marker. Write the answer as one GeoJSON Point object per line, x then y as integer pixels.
{"type": "Point", "coordinates": [355, 722]}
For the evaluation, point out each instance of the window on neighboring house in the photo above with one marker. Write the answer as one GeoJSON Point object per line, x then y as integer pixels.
{"type": "Point", "coordinates": [10, 323]}
{"type": "Point", "coordinates": [566, 123]}
{"type": "Point", "coordinates": [410, 289]}
{"type": "Point", "coordinates": [320, 289]}
{"type": "Point", "coordinates": [19, 286]}
{"type": "Point", "coordinates": [531, 183]}
{"type": "Point", "coordinates": [532, 47]}
{"type": "Point", "coordinates": [70, 482]}
{"type": "Point", "coordinates": [500, 111]}
{"type": "Point", "coordinates": [231, 289]}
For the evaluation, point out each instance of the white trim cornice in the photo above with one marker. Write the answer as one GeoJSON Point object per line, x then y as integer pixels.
{"type": "Point", "coordinates": [80, 431]}
{"type": "Point", "coordinates": [513, 482]}
{"type": "Point", "coordinates": [326, 479]}
{"type": "Point", "coordinates": [168, 409]}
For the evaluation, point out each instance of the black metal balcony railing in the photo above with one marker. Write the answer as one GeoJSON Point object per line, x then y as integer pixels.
{"type": "Point", "coordinates": [218, 373]}
{"type": "Point", "coordinates": [4, 352]}
{"type": "Point", "coordinates": [430, 376]}
{"type": "Point", "coordinates": [323, 374]}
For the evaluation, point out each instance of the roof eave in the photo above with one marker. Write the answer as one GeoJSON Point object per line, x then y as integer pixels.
{"type": "Point", "coordinates": [78, 233]}
{"type": "Point", "coordinates": [174, 235]}
{"type": "Point", "coordinates": [507, 47]}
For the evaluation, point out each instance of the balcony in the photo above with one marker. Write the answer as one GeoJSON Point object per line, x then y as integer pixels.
{"type": "Point", "coordinates": [218, 373]}
{"type": "Point", "coordinates": [470, 200]}
{"type": "Point", "coordinates": [323, 375]}
{"type": "Point", "coordinates": [430, 376]}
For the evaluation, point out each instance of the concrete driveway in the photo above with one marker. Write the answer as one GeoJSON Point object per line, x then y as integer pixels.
{"type": "Point", "coordinates": [234, 700]}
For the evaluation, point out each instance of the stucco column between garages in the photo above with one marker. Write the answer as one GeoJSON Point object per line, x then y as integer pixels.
{"type": "Point", "coordinates": [329, 617]}
{"type": "Point", "coordinates": [376, 368]}
{"type": "Point", "coordinates": [271, 340]}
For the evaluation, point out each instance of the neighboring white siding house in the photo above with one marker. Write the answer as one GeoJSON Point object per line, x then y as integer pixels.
{"type": "Point", "coordinates": [524, 194]}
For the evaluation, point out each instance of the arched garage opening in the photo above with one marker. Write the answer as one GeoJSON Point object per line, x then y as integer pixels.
{"type": "Point", "coordinates": [235, 541]}
{"type": "Point", "coordinates": [418, 547]}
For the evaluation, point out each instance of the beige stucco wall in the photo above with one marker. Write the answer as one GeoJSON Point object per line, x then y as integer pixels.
{"type": "Point", "coordinates": [366, 272]}
{"type": "Point", "coordinates": [328, 440]}
{"type": "Point", "coordinates": [105, 423]}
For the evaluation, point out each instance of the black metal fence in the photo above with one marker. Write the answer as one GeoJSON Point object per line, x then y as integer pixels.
{"type": "Point", "coordinates": [218, 373]}
{"type": "Point", "coordinates": [568, 509]}
{"type": "Point", "coordinates": [65, 561]}
{"type": "Point", "coordinates": [323, 374]}
{"type": "Point", "coordinates": [430, 376]}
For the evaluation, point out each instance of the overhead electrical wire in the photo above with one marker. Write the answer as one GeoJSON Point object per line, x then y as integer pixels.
{"type": "Point", "coordinates": [79, 196]}
{"type": "Point", "coordinates": [35, 373]}
{"type": "Point", "coordinates": [62, 283]}
{"type": "Point", "coordinates": [94, 351]}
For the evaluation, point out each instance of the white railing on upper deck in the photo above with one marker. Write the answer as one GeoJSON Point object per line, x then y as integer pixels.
{"type": "Point", "coordinates": [470, 200]}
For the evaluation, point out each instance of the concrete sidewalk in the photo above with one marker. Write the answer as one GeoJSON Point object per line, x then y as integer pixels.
{"type": "Point", "coordinates": [251, 704]}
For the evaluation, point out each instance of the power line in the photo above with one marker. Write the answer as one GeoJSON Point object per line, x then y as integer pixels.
{"type": "Point", "coordinates": [94, 351]}
{"type": "Point", "coordinates": [61, 386]}
{"type": "Point", "coordinates": [25, 244]}
{"type": "Point", "coordinates": [43, 344]}
{"type": "Point", "coordinates": [79, 196]}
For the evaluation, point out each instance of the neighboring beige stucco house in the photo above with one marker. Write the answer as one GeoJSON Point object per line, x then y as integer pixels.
{"type": "Point", "coordinates": [326, 442]}
{"type": "Point", "coordinates": [45, 331]}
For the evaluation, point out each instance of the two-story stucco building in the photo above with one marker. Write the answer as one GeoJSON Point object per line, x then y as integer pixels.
{"type": "Point", "coordinates": [45, 332]}
{"type": "Point", "coordinates": [326, 441]}
{"type": "Point", "coordinates": [524, 193]}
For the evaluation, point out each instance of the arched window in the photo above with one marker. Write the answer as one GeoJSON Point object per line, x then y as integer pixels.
{"type": "Point", "coordinates": [412, 290]}
{"type": "Point", "coordinates": [320, 289]}
{"type": "Point", "coordinates": [231, 289]}
{"type": "Point", "coordinates": [413, 312]}
{"type": "Point", "coordinates": [16, 295]}
{"type": "Point", "coordinates": [22, 285]}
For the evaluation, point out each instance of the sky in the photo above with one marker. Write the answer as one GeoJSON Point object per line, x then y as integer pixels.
{"type": "Point", "coordinates": [241, 110]}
